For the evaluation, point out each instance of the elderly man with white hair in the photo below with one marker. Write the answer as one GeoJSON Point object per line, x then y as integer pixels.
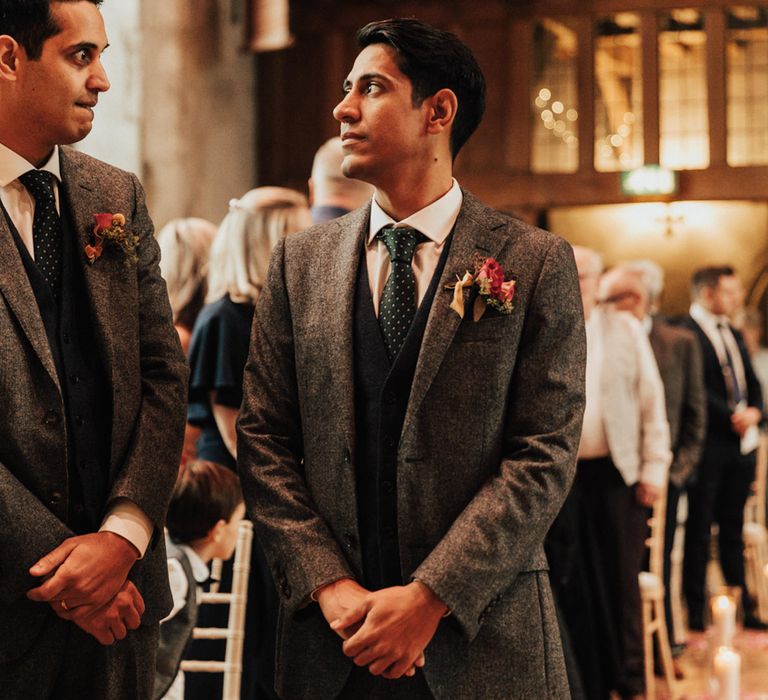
{"type": "Point", "coordinates": [636, 287]}
{"type": "Point", "coordinates": [623, 460]}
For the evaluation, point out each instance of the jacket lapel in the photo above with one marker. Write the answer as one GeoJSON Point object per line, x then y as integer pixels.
{"type": "Point", "coordinates": [80, 194]}
{"type": "Point", "coordinates": [15, 287]}
{"type": "Point", "coordinates": [475, 233]}
{"type": "Point", "coordinates": [339, 319]}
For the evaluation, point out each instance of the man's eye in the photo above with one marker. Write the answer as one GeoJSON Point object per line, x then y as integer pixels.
{"type": "Point", "coordinates": [371, 88]}
{"type": "Point", "coordinates": [83, 56]}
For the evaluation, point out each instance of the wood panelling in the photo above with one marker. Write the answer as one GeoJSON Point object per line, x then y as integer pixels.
{"type": "Point", "coordinates": [298, 87]}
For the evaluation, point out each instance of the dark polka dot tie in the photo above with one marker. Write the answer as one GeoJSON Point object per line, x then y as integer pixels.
{"type": "Point", "coordinates": [398, 300]}
{"type": "Point", "coordinates": [46, 227]}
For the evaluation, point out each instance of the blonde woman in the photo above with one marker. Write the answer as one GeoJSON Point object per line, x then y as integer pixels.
{"type": "Point", "coordinates": [236, 274]}
{"type": "Point", "coordinates": [185, 245]}
{"type": "Point", "coordinates": [237, 271]}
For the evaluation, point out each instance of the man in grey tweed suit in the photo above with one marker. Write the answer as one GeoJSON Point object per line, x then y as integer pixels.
{"type": "Point", "coordinates": [401, 460]}
{"type": "Point", "coordinates": [92, 380]}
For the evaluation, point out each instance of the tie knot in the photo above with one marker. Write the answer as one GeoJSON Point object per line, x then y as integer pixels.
{"type": "Point", "coordinates": [39, 184]}
{"type": "Point", "coordinates": [401, 242]}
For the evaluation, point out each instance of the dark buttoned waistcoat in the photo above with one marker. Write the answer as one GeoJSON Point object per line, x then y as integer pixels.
{"type": "Point", "coordinates": [382, 390]}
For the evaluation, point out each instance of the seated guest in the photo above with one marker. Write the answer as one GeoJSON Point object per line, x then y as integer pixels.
{"type": "Point", "coordinates": [218, 351]}
{"type": "Point", "coordinates": [184, 246]}
{"type": "Point", "coordinates": [203, 518]}
{"type": "Point", "coordinates": [636, 287]}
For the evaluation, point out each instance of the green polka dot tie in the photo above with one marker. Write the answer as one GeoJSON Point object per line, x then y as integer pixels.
{"type": "Point", "coordinates": [398, 300]}
{"type": "Point", "coordinates": [46, 227]}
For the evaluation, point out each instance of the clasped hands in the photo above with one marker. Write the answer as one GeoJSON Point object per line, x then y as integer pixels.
{"type": "Point", "coordinates": [85, 581]}
{"type": "Point", "coordinates": [385, 630]}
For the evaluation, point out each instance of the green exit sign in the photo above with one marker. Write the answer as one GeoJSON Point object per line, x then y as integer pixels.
{"type": "Point", "coordinates": [649, 180]}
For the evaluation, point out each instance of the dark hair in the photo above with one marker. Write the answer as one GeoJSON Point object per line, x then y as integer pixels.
{"type": "Point", "coordinates": [205, 493]}
{"type": "Point", "coordinates": [433, 59]}
{"type": "Point", "coordinates": [30, 22]}
{"type": "Point", "coordinates": [709, 277]}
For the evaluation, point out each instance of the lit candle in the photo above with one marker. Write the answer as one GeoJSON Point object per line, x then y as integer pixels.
{"type": "Point", "coordinates": [723, 620]}
{"type": "Point", "coordinates": [727, 670]}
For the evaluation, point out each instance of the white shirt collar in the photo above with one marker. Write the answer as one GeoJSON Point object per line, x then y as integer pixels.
{"type": "Point", "coordinates": [199, 567]}
{"type": "Point", "coordinates": [12, 165]}
{"type": "Point", "coordinates": [705, 318]}
{"type": "Point", "coordinates": [435, 220]}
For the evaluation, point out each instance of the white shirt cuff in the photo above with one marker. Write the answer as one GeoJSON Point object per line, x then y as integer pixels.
{"type": "Point", "coordinates": [129, 521]}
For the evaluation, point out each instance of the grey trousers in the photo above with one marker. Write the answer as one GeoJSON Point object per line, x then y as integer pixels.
{"type": "Point", "coordinates": [65, 663]}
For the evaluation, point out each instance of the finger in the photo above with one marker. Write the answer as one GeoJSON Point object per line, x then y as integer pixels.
{"type": "Point", "coordinates": [367, 656]}
{"type": "Point", "coordinates": [411, 672]}
{"type": "Point", "coordinates": [54, 558]}
{"type": "Point", "coordinates": [50, 591]}
{"type": "Point", "coordinates": [138, 600]}
{"type": "Point", "coordinates": [130, 616]}
{"type": "Point", "coordinates": [420, 661]}
{"type": "Point", "coordinates": [359, 641]}
{"type": "Point", "coordinates": [378, 667]}
{"type": "Point", "coordinates": [118, 629]}
{"type": "Point", "coordinates": [398, 669]}
{"type": "Point", "coordinates": [350, 617]}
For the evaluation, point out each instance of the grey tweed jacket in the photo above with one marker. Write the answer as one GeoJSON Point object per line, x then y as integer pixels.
{"type": "Point", "coordinates": [148, 374]}
{"type": "Point", "coordinates": [485, 459]}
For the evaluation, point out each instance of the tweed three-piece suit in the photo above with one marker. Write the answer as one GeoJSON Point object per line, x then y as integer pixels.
{"type": "Point", "coordinates": [491, 417]}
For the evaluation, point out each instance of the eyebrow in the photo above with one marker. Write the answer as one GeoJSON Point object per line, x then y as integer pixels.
{"type": "Point", "coordinates": [366, 77]}
{"type": "Point", "coordinates": [90, 46]}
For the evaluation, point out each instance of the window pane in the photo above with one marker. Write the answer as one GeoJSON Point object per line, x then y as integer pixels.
{"type": "Point", "coordinates": [618, 93]}
{"type": "Point", "coordinates": [747, 66]}
{"type": "Point", "coordinates": [684, 122]}
{"type": "Point", "coordinates": [554, 103]}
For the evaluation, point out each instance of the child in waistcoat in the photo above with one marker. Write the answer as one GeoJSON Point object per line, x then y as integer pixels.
{"type": "Point", "coordinates": [203, 519]}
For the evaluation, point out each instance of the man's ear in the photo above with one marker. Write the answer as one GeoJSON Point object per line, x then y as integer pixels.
{"type": "Point", "coordinates": [9, 57]}
{"type": "Point", "coordinates": [215, 533]}
{"type": "Point", "coordinates": [443, 106]}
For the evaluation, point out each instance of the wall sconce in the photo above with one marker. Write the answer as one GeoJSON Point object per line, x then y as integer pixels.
{"type": "Point", "coordinates": [268, 27]}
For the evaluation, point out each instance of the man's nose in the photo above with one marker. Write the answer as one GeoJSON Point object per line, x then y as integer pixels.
{"type": "Point", "coordinates": [346, 110]}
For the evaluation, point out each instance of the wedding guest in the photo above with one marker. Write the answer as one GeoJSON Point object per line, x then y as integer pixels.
{"type": "Point", "coordinates": [203, 518]}
{"type": "Point", "coordinates": [636, 287]}
{"type": "Point", "coordinates": [623, 461]}
{"type": "Point", "coordinates": [401, 459]}
{"type": "Point", "coordinates": [185, 245]}
{"type": "Point", "coordinates": [727, 469]}
{"type": "Point", "coordinates": [236, 274]}
{"type": "Point", "coordinates": [92, 379]}
{"type": "Point", "coordinates": [330, 192]}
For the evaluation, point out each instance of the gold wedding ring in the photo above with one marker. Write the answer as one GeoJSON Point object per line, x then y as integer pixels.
{"type": "Point", "coordinates": [63, 605]}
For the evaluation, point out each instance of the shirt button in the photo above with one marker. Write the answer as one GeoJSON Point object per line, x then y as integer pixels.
{"type": "Point", "coordinates": [56, 497]}
{"type": "Point", "coordinates": [79, 422]}
{"type": "Point", "coordinates": [51, 417]}
{"type": "Point", "coordinates": [74, 378]}
{"type": "Point", "coordinates": [65, 337]}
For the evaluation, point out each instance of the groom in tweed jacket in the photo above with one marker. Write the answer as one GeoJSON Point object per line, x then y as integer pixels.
{"type": "Point", "coordinates": [402, 459]}
{"type": "Point", "coordinates": [92, 381]}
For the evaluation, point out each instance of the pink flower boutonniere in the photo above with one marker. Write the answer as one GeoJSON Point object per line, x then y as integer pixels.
{"type": "Point", "coordinates": [492, 289]}
{"type": "Point", "coordinates": [111, 227]}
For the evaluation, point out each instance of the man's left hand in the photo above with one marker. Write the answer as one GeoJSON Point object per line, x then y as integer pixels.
{"type": "Point", "coordinates": [646, 494]}
{"type": "Point", "coordinates": [85, 572]}
{"type": "Point", "coordinates": [743, 420]}
{"type": "Point", "coordinates": [399, 624]}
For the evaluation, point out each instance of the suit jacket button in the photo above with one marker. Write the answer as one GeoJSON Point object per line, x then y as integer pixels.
{"type": "Point", "coordinates": [51, 417]}
{"type": "Point", "coordinates": [56, 497]}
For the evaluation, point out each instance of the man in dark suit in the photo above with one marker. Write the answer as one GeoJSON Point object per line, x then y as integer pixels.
{"type": "Point", "coordinates": [404, 444]}
{"type": "Point", "coordinates": [722, 482]}
{"type": "Point", "coordinates": [92, 379]}
{"type": "Point", "coordinates": [637, 287]}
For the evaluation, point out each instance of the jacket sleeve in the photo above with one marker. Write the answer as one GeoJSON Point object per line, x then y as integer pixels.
{"type": "Point", "coordinates": [495, 537]}
{"type": "Point", "coordinates": [693, 416]}
{"type": "Point", "coordinates": [297, 541]}
{"type": "Point", "coordinates": [151, 461]}
{"type": "Point", "coordinates": [655, 452]}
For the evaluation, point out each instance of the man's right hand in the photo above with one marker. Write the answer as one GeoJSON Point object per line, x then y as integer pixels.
{"type": "Point", "coordinates": [111, 622]}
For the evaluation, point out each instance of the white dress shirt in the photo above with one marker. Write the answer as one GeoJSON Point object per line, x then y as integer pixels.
{"type": "Point", "coordinates": [435, 221]}
{"type": "Point", "coordinates": [718, 332]}
{"type": "Point", "coordinates": [125, 518]}
{"type": "Point", "coordinates": [594, 442]}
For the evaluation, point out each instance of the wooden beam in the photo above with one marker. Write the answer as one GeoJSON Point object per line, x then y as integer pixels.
{"type": "Point", "coordinates": [649, 32]}
{"type": "Point", "coordinates": [585, 30]}
{"type": "Point", "coordinates": [714, 26]}
{"type": "Point", "coordinates": [517, 136]}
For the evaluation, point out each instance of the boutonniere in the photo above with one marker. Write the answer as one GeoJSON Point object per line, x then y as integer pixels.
{"type": "Point", "coordinates": [492, 289]}
{"type": "Point", "coordinates": [111, 227]}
